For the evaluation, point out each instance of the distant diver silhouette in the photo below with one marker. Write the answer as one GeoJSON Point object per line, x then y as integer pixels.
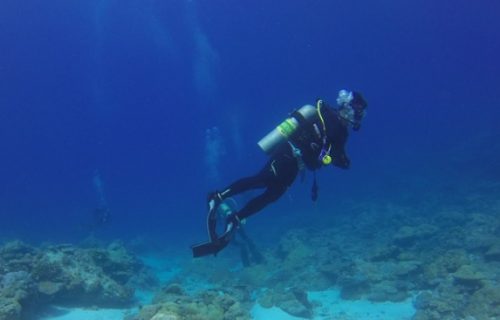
{"type": "Point", "coordinates": [101, 214]}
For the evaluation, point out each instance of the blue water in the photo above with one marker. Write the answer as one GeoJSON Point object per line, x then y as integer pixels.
{"type": "Point", "coordinates": [130, 88]}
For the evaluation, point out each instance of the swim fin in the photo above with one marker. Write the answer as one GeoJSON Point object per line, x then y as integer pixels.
{"type": "Point", "coordinates": [213, 205]}
{"type": "Point", "coordinates": [215, 243]}
{"type": "Point", "coordinates": [213, 247]}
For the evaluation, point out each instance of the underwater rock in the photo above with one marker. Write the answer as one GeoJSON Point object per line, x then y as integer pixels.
{"type": "Point", "coordinates": [478, 241]}
{"type": "Point", "coordinates": [408, 236]}
{"type": "Point", "coordinates": [294, 251]}
{"type": "Point", "coordinates": [469, 277]}
{"type": "Point", "coordinates": [49, 288]}
{"type": "Point", "coordinates": [174, 289]}
{"type": "Point", "coordinates": [451, 217]}
{"type": "Point", "coordinates": [493, 253]}
{"type": "Point", "coordinates": [445, 303]}
{"type": "Point", "coordinates": [266, 300]}
{"type": "Point", "coordinates": [10, 309]}
{"type": "Point", "coordinates": [16, 249]}
{"type": "Point", "coordinates": [165, 316]}
{"type": "Point", "coordinates": [440, 267]}
{"type": "Point", "coordinates": [17, 285]}
{"type": "Point", "coordinates": [423, 300]}
{"type": "Point", "coordinates": [330, 271]}
{"type": "Point", "coordinates": [406, 269]}
{"type": "Point", "coordinates": [48, 266]}
{"type": "Point", "coordinates": [296, 309]}
{"type": "Point", "coordinates": [482, 220]}
{"type": "Point", "coordinates": [116, 262]}
{"type": "Point", "coordinates": [81, 277]}
{"type": "Point", "coordinates": [357, 277]}
{"type": "Point", "coordinates": [394, 291]}
{"type": "Point", "coordinates": [485, 302]}
{"type": "Point", "coordinates": [385, 253]}
{"type": "Point", "coordinates": [17, 256]}
{"type": "Point", "coordinates": [144, 279]}
{"type": "Point", "coordinates": [172, 292]}
{"type": "Point", "coordinates": [145, 312]}
{"type": "Point", "coordinates": [16, 289]}
{"type": "Point", "coordinates": [354, 287]}
{"type": "Point", "coordinates": [63, 274]}
{"type": "Point", "coordinates": [334, 270]}
{"type": "Point", "coordinates": [254, 276]}
{"type": "Point", "coordinates": [293, 301]}
{"type": "Point", "coordinates": [206, 305]}
{"type": "Point", "coordinates": [450, 302]}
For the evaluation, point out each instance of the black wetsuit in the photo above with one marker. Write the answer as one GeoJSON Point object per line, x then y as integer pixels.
{"type": "Point", "coordinates": [283, 166]}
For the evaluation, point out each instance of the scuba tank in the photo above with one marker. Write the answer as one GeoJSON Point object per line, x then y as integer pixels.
{"type": "Point", "coordinates": [286, 129]}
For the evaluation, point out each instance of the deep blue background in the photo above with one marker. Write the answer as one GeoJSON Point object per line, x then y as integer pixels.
{"type": "Point", "coordinates": [129, 88]}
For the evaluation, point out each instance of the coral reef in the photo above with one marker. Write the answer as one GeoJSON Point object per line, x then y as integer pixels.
{"type": "Point", "coordinates": [294, 301]}
{"type": "Point", "coordinates": [447, 260]}
{"type": "Point", "coordinates": [16, 288]}
{"type": "Point", "coordinates": [63, 274]}
{"type": "Point", "coordinates": [172, 303]}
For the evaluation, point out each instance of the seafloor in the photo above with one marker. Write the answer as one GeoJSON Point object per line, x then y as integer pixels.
{"type": "Point", "coordinates": [381, 260]}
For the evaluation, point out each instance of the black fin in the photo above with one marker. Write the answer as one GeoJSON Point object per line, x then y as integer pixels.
{"type": "Point", "coordinates": [213, 247]}
{"type": "Point", "coordinates": [206, 249]}
{"type": "Point", "coordinates": [211, 223]}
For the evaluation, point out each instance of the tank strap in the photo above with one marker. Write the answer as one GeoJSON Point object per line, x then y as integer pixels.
{"type": "Point", "coordinates": [297, 154]}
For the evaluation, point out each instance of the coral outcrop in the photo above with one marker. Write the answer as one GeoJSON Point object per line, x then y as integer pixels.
{"type": "Point", "coordinates": [448, 259]}
{"type": "Point", "coordinates": [63, 274]}
{"type": "Point", "coordinates": [173, 303]}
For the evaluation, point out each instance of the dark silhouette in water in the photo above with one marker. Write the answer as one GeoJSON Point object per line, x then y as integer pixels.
{"type": "Point", "coordinates": [102, 214]}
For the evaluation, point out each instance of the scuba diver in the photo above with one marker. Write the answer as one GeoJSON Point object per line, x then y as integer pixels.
{"type": "Point", "coordinates": [312, 137]}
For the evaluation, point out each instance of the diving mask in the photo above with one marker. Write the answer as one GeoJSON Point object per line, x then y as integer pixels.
{"type": "Point", "coordinates": [344, 98]}
{"type": "Point", "coordinates": [350, 111]}
{"type": "Point", "coordinates": [352, 115]}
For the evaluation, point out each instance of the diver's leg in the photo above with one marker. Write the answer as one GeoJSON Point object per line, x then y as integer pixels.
{"type": "Point", "coordinates": [280, 174]}
{"type": "Point", "coordinates": [214, 199]}
{"type": "Point", "coordinates": [258, 203]}
{"type": "Point", "coordinates": [277, 176]}
{"type": "Point", "coordinates": [279, 170]}
{"type": "Point", "coordinates": [257, 181]}
{"type": "Point", "coordinates": [260, 180]}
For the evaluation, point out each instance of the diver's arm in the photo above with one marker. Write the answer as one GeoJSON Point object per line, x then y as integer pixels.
{"type": "Point", "coordinates": [337, 131]}
{"type": "Point", "coordinates": [342, 161]}
{"type": "Point", "coordinates": [340, 158]}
